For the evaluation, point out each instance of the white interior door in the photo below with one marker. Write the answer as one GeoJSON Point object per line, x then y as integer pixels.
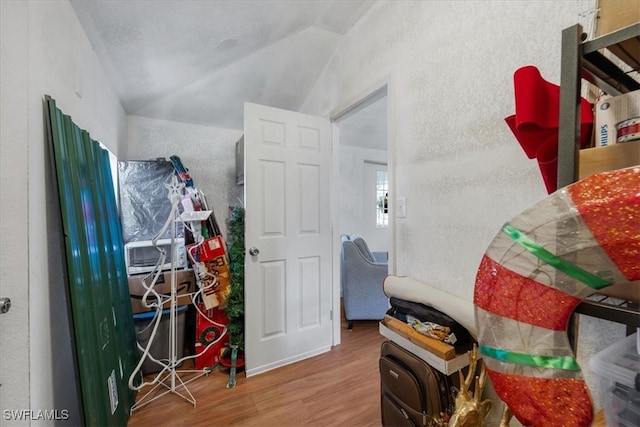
{"type": "Point", "coordinates": [288, 282]}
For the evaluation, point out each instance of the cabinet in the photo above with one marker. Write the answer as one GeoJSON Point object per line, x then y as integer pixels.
{"type": "Point", "coordinates": [587, 60]}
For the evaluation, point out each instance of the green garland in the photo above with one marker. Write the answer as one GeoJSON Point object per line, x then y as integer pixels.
{"type": "Point", "coordinates": [235, 301]}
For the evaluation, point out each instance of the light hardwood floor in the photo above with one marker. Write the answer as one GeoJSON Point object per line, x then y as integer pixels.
{"type": "Point", "coordinates": [336, 389]}
{"type": "Point", "coordinates": [340, 388]}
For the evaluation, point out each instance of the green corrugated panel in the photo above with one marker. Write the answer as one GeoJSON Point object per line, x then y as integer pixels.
{"type": "Point", "coordinates": [98, 287]}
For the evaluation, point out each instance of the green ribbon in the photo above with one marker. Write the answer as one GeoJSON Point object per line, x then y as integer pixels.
{"type": "Point", "coordinates": [566, 363]}
{"type": "Point", "coordinates": [560, 264]}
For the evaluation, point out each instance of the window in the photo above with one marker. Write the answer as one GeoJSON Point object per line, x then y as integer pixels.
{"type": "Point", "coordinates": [382, 197]}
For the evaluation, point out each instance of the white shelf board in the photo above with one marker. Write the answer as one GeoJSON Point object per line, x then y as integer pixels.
{"type": "Point", "coordinates": [447, 367]}
{"type": "Point", "coordinates": [194, 216]}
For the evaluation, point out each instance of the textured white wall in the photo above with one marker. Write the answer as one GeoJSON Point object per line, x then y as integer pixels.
{"type": "Point", "coordinates": [62, 64]}
{"type": "Point", "coordinates": [449, 65]}
{"type": "Point", "coordinates": [14, 228]}
{"type": "Point", "coordinates": [44, 51]}
{"type": "Point", "coordinates": [208, 153]}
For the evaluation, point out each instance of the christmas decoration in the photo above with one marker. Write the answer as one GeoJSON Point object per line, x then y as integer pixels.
{"type": "Point", "coordinates": [545, 261]}
{"type": "Point", "coordinates": [235, 302]}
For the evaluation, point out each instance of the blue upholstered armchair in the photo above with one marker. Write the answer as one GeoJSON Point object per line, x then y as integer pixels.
{"type": "Point", "coordinates": [362, 274]}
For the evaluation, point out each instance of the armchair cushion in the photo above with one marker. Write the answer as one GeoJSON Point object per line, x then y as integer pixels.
{"type": "Point", "coordinates": [364, 248]}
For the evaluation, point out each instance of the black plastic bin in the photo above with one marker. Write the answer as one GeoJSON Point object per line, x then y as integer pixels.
{"type": "Point", "coordinates": [160, 346]}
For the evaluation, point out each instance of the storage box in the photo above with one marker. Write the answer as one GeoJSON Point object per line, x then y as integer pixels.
{"type": "Point", "coordinates": [602, 159]}
{"type": "Point", "coordinates": [185, 284]}
{"type": "Point", "coordinates": [617, 119]}
{"type": "Point", "coordinates": [616, 14]}
{"type": "Point", "coordinates": [159, 348]}
{"type": "Point", "coordinates": [618, 367]}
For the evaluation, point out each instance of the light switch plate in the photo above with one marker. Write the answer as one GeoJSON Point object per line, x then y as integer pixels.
{"type": "Point", "coordinates": [402, 207]}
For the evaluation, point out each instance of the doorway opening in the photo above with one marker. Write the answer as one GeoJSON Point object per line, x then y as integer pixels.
{"type": "Point", "coordinates": [363, 181]}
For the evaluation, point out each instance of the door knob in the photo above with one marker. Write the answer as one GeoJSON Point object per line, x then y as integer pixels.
{"type": "Point", "coordinates": [5, 305]}
{"type": "Point", "coordinates": [253, 251]}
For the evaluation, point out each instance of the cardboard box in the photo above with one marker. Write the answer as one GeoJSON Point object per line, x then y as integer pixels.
{"type": "Point", "coordinates": [616, 14]}
{"type": "Point", "coordinates": [616, 119]}
{"type": "Point", "coordinates": [210, 262]}
{"type": "Point", "coordinates": [185, 284]}
{"type": "Point", "coordinates": [617, 367]}
{"type": "Point", "coordinates": [601, 159]}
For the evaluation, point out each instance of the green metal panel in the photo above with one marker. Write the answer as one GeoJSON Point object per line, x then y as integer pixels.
{"type": "Point", "coordinates": [98, 287]}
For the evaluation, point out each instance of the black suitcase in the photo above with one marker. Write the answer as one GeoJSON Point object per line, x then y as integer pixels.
{"type": "Point", "coordinates": [412, 392]}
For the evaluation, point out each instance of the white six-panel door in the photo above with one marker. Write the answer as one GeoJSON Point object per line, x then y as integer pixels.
{"type": "Point", "coordinates": [288, 280]}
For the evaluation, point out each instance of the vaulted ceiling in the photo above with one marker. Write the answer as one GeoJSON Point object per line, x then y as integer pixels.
{"type": "Point", "coordinates": [198, 61]}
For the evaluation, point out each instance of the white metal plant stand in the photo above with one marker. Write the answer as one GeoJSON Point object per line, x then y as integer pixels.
{"type": "Point", "coordinates": [170, 377]}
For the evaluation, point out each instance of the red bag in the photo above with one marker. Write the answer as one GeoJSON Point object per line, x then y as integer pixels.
{"type": "Point", "coordinates": [210, 331]}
